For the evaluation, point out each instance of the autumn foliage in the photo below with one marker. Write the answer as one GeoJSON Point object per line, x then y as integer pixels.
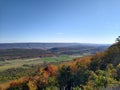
{"type": "Point", "coordinates": [97, 72]}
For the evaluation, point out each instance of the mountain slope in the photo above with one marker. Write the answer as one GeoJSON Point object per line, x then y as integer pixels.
{"type": "Point", "coordinates": [42, 45]}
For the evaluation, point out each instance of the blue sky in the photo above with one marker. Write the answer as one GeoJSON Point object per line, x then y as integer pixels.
{"type": "Point", "coordinates": [84, 21]}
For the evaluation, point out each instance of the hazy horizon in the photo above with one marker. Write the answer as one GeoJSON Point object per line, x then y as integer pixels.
{"type": "Point", "coordinates": [53, 43]}
{"type": "Point", "coordinates": [56, 21]}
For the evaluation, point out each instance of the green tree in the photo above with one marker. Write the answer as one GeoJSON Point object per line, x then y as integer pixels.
{"type": "Point", "coordinates": [65, 78]}
{"type": "Point", "coordinates": [118, 71]}
{"type": "Point", "coordinates": [118, 39]}
{"type": "Point", "coordinates": [81, 75]}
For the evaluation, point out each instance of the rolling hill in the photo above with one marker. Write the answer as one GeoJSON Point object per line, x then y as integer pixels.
{"type": "Point", "coordinates": [33, 50]}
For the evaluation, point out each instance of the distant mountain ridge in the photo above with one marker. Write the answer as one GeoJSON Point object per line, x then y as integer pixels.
{"type": "Point", "coordinates": [34, 45]}
{"type": "Point", "coordinates": [41, 45]}
{"type": "Point", "coordinates": [32, 50]}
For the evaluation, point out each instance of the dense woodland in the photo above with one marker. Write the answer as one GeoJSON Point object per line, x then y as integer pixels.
{"type": "Point", "coordinates": [97, 72]}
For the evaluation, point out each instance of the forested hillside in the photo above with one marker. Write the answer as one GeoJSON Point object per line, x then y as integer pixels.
{"type": "Point", "coordinates": [97, 72]}
{"type": "Point", "coordinates": [11, 54]}
{"type": "Point", "coordinates": [37, 45]}
{"type": "Point", "coordinates": [56, 50]}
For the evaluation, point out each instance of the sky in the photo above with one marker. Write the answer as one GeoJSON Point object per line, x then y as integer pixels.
{"type": "Point", "coordinates": [80, 21]}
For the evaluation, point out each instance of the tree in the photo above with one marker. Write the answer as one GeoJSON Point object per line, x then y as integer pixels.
{"type": "Point", "coordinates": [118, 71]}
{"type": "Point", "coordinates": [96, 61]}
{"type": "Point", "coordinates": [65, 78]}
{"type": "Point", "coordinates": [118, 39]}
{"type": "Point", "coordinates": [51, 70]}
{"type": "Point", "coordinates": [81, 75]}
{"type": "Point", "coordinates": [98, 79]}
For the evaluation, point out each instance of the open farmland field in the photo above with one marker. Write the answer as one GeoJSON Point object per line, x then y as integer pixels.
{"type": "Point", "coordinates": [17, 63]}
{"type": "Point", "coordinates": [26, 63]}
{"type": "Point", "coordinates": [13, 69]}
